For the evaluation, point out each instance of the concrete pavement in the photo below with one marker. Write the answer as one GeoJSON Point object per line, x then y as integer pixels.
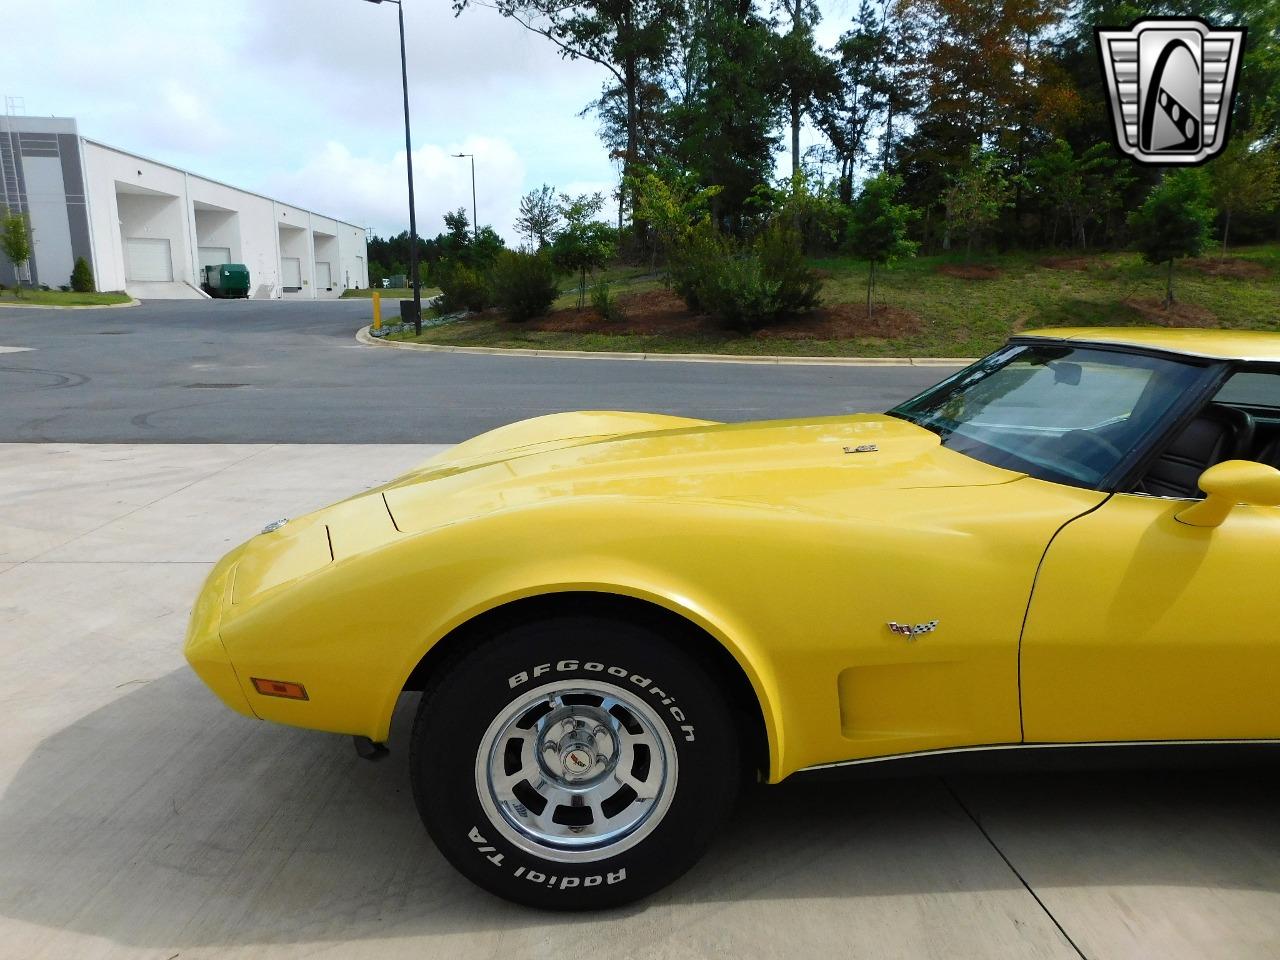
{"type": "Point", "coordinates": [246, 371]}
{"type": "Point", "coordinates": [140, 818]}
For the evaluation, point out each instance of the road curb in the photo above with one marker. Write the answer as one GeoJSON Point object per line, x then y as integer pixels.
{"type": "Point", "coordinates": [78, 306]}
{"type": "Point", "coordinates": [364, 336]}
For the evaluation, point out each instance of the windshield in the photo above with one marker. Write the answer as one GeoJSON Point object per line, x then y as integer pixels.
{"type": "Point", "coordinates": [1067, 414]}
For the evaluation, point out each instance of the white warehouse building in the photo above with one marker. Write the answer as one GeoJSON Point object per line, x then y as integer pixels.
{"type": "Point", "coordinates": [150, 229]}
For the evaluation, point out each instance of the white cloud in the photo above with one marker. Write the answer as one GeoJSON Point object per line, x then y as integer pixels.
{"type": "Point", "coordinates": [335, 179]}
{"type": "Point", "coordinates": [301, 98]}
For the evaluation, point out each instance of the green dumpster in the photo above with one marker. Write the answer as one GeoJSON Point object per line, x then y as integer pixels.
{"type": "Point", "coordinates": [226, 280]}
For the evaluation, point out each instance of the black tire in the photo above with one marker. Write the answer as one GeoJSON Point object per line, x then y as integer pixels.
{"type": "Point", "coordinates": [489, 680]}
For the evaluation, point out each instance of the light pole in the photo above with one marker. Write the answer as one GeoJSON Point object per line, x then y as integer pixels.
{"type": "Point", "coordinates": [408, 156]}
{"type": "Point", "coordinates": [475, 224]}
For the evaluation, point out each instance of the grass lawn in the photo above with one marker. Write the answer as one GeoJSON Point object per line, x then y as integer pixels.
{"type": "Point", "coordinates": [56, 298]}
{"type": "Point", "coordinates": [388, 293]}
{"type": "Point", "coordinates": [929, 306]}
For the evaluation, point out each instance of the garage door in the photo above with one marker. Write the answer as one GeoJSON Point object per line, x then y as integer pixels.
{"type": "Point", "coordinates": [291, 272]}
{"type": "Point", "coordinates": [324, 276]}
{"type": "Point", "coordinates": [213, 256]}
{"type": "Point", "coordinates": [148, 259]}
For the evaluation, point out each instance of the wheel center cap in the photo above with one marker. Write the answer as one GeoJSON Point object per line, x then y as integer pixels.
{"type": "Point", "coordinates": [577, 762]}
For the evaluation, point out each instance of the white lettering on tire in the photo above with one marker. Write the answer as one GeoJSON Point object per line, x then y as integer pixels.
{"type": "Point", "coordinates": [644, 683]}
{"type": "Point", "coordinates": [565, 883]}
{"type": "Point", "coordinates": [482, 845]}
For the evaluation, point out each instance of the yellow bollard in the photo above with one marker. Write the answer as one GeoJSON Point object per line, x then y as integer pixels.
{"type": "Point", "coordinates": [377, 310]}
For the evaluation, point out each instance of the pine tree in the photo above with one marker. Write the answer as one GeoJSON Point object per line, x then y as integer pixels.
{"type": "Point", "coordinates": [1174, 221]}
{"type": "Point", "coordinates": [878, 226]}
{"type": "Point", "coordinates": [81, 276]}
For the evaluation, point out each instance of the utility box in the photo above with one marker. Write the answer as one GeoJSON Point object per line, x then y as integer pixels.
{"type": "Point", "coordinates": [226, 280]}
{"type": "Point", "coordinates": [398, 281]}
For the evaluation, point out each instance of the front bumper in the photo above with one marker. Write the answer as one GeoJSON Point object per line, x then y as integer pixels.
{"type": "Point", "coordinates": [204, 649]}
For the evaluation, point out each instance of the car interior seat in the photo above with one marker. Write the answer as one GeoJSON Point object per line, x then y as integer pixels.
{"type": "Point", "coordinates": [1217, 433]}
{"type": "Point", "coordinates": [1269, 451]}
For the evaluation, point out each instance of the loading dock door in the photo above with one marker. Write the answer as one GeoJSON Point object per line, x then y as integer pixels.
{"type": "Point", "coordinates": [148, 259]}
{"type": "Point", "coordinates": [324, 275]}
{"type": "Point", "coordinates": [214, 256]}
{"type": "Point", "coordinates": [291, 273]}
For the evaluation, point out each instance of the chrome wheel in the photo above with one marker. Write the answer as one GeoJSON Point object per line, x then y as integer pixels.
{"type": "Point", "coordinates": [576, 771]}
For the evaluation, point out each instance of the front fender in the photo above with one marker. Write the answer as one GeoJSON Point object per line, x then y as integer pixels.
{"type": "Point", "coordinates": [354, 631]}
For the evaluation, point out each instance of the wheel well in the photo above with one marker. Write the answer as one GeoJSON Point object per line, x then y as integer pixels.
{"type": "Point", "coordinates": [715, 659]}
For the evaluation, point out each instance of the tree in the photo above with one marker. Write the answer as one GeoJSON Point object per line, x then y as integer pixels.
{"type": "Point", "coordinates": [673, 203]}
{"type": "Point", "coordinates": [878, 226]}
{"type": "Point", "coordinates": [539, 216]}
{"type": "Point", "coordinates": [585, 243]}
{"type": "Point", "coordinates": [804, 73]}
{"type": "Point", "coordinates": [976, 196]}
{"type": "Point", "coordinates": [81, 276]}
{"type": "Point", "coordinates": [722, 122]}
{"type": "Point", "coordinates": [15, 242]}
{"type": "Point", "coordinates": [629, 38]}
{"type": "Point", "coordinates": [475, 248]}
{"type": "Point", "coordinates": [848, 108]}
{"type": "Point", "coordinates": [1246, 179]}
{"type": "Point", "coordinates": [1083, 188]}
{"type": "Point", "coordinates": [1173, 221]}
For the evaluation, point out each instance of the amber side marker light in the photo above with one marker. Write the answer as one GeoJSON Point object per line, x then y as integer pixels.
{"type": "Point", "coordinates": [280, 688]}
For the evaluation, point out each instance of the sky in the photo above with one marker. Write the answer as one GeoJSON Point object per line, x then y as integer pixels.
{"type": "Point", "coordinates": [301, 100]}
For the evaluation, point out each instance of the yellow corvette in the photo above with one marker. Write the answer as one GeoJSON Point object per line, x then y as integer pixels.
{"type": "Point", "coordinates": [616, 619]}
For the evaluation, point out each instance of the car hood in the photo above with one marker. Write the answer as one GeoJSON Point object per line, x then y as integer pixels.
{"type": "Point", "coordinates": [846, 465]}
{"type": "Point", "coordinates": [810, 464]}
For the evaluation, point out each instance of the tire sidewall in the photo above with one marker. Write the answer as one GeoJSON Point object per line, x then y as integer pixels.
{"type": "Point", "coordinates": [458, 710]}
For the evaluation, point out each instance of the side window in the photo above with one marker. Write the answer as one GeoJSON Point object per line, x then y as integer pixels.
{"type": "Point", "coordinates": [1257, 393]}
{"type": "Point", "coordinates": [1241, 422]}
{"type": "Point", "coordinates": [1252, 388]}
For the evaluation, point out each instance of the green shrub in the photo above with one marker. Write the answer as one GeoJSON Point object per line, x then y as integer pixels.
{"type": "Point", "coordinates": [605, 303]}
{"type": "Point", "coordinates": [746, 286]}
{"type": "Point", "coordinates": [695, 261]}
{"type": "Point", "coordinates": [461, 288]}
{"type": "Point", "coordinates": [81, 276]}
{"type": "Point", "coordinates": [524, 284]}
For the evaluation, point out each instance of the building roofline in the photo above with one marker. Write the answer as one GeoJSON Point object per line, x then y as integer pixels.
{"type": "Point", "coordinates": [220, 183]}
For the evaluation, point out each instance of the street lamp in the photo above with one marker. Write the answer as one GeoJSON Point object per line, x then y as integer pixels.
{"type": "Point", "coordinates": [408, 156]}
{"type": "Point", "coordinates": [475, 224]}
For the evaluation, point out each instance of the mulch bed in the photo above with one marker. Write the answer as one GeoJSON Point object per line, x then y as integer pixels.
{"type": "Point", "coordinates": [1231, 267]}
{"type": "Point", "coordinates": [1177, 315]}
{"type": "Point", "coordinates": [661, 312]}
{"type": "Point", "coordinates": [1067, 263]}
{"type": "Point", "coordinates": [970, 271]}
{"type": "Point", "coordinates": [650, 312]}
{"type": "Point", "coordinates": [847, 321]}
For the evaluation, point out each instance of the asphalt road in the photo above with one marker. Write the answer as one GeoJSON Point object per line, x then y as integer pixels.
{"type": "Point", "coordinates": [291, 372]}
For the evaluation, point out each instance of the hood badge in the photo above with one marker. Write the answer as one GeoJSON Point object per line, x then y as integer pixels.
{"type": "Point", "coordinates": [910, 632]}
{"type": "Point", "coordinates": [863, 448]}
{"type": "Point", "coordinates": [275, 525]}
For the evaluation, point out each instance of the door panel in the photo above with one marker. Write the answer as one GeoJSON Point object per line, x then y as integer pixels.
{"type": "Point", "coordinates": [291, 273]}
{"type": "Point", "coordinates": [148, 259]}
{"type": "Point", "coordinates": [1144, 628]}
{"type": "Point", "coordinates": [214, 256]}
{"type": "Point", "coordinates": [965, 557]}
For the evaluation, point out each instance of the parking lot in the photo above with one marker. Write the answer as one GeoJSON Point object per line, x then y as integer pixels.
{"type": "Point", "coordinates": [141, 818]}
{"type": "Point", "coordinates": [291, 372]}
